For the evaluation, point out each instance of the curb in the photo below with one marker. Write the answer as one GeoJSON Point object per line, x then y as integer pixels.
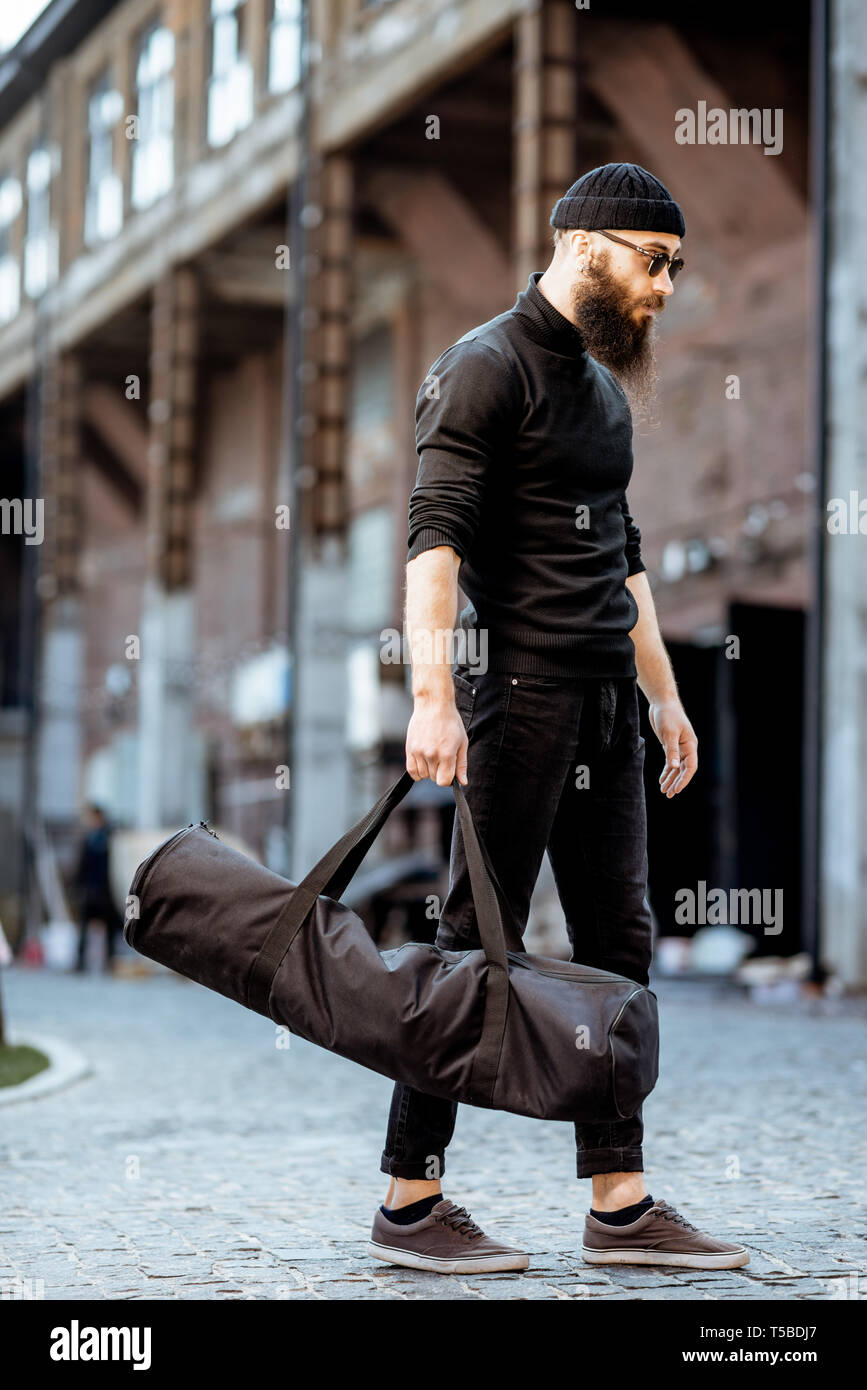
{"type": "Point", "coordinates": [65, 1065]}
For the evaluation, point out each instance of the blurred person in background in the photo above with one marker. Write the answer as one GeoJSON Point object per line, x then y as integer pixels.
{"type": "Point", "coordinates": [525, 451]}
{"type": "Point", "coordinates": [93, 887]}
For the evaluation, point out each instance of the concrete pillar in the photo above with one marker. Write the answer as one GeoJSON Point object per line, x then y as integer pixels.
{"type": "Point", "coordinates": [545, 91]}
{"type": "Point", "coordinates": [167, 780]}
{"type": "Point", "coordinates": [60, 734]}
{"type": "Point", "coordinates": [59, 748]}
{"type": "Point", "coordinates": [167, 653]}
{"type": "Point", "coordinates": [319, 765]}
{"type": "Point", "coordinates": [843, 867]}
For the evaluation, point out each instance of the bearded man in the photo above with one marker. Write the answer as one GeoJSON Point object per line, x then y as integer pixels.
{"type": "Point", "coordinates": [524, 435]}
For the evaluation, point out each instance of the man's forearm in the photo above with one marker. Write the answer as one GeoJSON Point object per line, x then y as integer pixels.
{"type": "Point", "coordinates": [429, 619]}
{"type": "Point", "coordinates": [656, 678]}
{"type": "Point", "coordinates": [655, 675]}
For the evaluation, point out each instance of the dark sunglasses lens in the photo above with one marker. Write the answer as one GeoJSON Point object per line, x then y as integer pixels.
{"type": "Point", "coordinates": [658, 262]}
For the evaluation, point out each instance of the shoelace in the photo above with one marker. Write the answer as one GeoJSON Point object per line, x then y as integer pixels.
{"type": "Point", "coordinates": [460, 1220]}
{"type": "Point", "coordinates": [671, 1215]}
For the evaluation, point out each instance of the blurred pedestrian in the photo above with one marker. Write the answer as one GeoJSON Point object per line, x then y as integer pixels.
{"type": "Point", "coordinates": [93, 886]}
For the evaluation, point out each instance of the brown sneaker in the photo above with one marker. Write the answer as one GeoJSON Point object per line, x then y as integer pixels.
{"type": "Point", "coordinates": [448, 1241]}
{"type": "Point", "coordinates": [660, 1237]}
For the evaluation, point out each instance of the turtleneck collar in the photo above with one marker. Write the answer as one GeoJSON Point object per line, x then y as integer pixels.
{"type": "Point", "coordinates": [546, 324]}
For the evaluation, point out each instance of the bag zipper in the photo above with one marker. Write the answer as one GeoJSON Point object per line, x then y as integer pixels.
{"type": "Point", "coordinates": [160, 851]}
{"type": "Point", "coordinates": [515, 956]}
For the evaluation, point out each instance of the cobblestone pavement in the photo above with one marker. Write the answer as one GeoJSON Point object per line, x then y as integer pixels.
{"type": "Point", "coordinates": [201, 1161]}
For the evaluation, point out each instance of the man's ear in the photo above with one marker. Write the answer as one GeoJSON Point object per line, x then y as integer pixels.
{"type": "Point", "coordinates": [580, 249]}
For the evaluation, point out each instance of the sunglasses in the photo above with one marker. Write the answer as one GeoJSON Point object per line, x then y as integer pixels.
{"type": "Point", "coordinates": [658, 259]}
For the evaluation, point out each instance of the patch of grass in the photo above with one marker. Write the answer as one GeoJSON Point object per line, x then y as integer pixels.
{"type": "Point", "coordinates": [18, 1064]}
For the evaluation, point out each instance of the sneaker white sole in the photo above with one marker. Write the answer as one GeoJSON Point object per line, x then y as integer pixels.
{"type": "Point", "coordinates": [730, 1259]}
{"type": "Point", "coordinates": [485, 1264]}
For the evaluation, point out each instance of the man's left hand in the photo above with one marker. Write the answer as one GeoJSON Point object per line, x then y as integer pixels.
{"type": "Point", "coordinates": [680, 745]}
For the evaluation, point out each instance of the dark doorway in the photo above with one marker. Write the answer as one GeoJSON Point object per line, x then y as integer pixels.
{"type": "Point", "coordinates": [768, 708]}
{"type": "Point", "coordinates": [684, 840]}
{"type": "Point", "coordinates": [738, 824]}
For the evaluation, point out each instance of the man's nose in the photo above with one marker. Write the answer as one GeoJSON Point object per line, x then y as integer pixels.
{"type": "Point", "coordinates": [662, 282]}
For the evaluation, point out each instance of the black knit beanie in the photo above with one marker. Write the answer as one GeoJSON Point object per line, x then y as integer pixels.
{"type": "Point", "coordinates": [619, 195]}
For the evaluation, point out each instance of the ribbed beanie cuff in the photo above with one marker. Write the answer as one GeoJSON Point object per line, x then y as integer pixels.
{"type": "Point", "coordinates": [619, 195]}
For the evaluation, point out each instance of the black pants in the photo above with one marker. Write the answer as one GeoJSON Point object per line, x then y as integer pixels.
{"type": "Point", "coordinates": [554, 762]}
{"type": "Point", "coordinates": [98, 907]}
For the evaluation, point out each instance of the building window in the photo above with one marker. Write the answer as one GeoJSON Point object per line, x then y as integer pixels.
{"type": "Point", "coordinates": [10, 271]}
{"type": "Point", "coordinates": [284, 46]}
{"type": "Point", "coordinates": [103, 212]}
{"type": "Point", "coordinates": [230, 91]}
{"type": "Point", "coordinates": [40, 244]}
{"type": "Point", "coordinates": [153, 164]}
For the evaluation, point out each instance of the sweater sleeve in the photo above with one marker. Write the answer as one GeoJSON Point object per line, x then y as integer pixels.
{"type": "Point", "coordinates": [633, 541]}
{"type": "Point", "coordinates": [464, 411]}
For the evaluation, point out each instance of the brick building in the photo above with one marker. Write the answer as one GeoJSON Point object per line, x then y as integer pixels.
{"type": "Point", "coordinates": [233, 236]}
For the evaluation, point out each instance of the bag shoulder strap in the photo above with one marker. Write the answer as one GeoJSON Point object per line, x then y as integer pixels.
{"type": "Point", "coordinates": [329, 878]}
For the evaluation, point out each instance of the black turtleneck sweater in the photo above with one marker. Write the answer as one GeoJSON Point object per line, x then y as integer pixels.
{"type": "Point", "coordinates": [525, 453]}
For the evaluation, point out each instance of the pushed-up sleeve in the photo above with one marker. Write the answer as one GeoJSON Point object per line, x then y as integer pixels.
{"type": "Point", "coordinates": [464, 416]}
{"type": "Point", "coordinates": [633, 540]}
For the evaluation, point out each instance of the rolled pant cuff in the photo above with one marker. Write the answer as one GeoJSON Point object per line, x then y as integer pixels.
{"type": "Point", "coordinates": [418, 1171]}
{"type": "Point", "coordinates": [590, 1161]}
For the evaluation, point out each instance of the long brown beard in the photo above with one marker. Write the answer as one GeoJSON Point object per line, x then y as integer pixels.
{"type": "Point", "coordinates": [612, 335]}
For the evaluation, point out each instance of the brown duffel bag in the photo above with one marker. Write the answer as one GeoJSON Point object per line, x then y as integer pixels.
{"type": "Point", "coordinates": [495, 1027]}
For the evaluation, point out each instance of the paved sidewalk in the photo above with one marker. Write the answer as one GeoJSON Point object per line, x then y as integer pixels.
{"type": "Point", "coordinates": [199, 1160]}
